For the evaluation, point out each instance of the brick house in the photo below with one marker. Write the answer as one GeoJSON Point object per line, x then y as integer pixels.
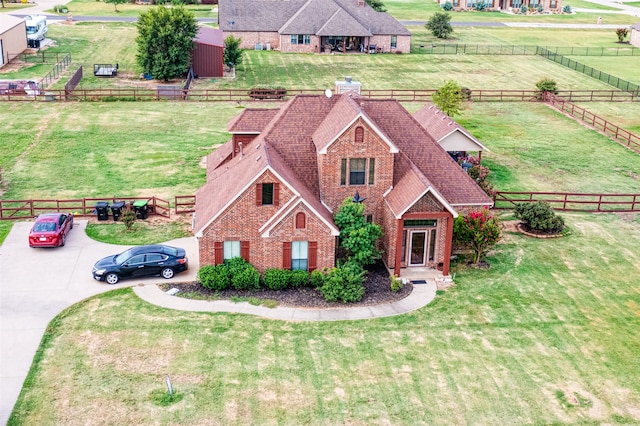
{"type": "Point", "coordinates": [271, 190]}
{"type": "Point", "coordinates": [635, 35]}
{"type": "Point", "coordinates": [509, 5]}
{"type": "Point", "coordinates": [312, 26]}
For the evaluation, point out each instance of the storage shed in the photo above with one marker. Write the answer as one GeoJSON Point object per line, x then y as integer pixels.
{"type": "Point", "coordinates": [635, 35]}
{"type": "Point", "coordinates": [13, 38]}
{"type": "Point", "coordinates": [207, 57]}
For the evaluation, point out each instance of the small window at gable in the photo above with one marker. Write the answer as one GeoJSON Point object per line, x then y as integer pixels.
{"type": "Point", "coordinates": [359, 136]}
{"type": "Point", "coordinates": [301, 220]}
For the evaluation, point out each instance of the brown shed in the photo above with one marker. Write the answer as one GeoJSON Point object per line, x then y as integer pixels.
{"type": "Point", "coordinates": [207, 57]}
{"type": "Point", "coordinates": [13, 38]}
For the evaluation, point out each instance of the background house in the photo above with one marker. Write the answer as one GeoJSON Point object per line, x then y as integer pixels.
{"type": "Point", "coordinates": [272, 190]}
{"type": "Point", "coordinates": [312, 26]}
{"type": "Point", "coordinates": [13, 38]}
{"type": "Point", "coordinates": [207, 57]}
{"type": "Point", "coordinates": [514, 5]}
{"type": "Point", "coordinates": [635, 35]}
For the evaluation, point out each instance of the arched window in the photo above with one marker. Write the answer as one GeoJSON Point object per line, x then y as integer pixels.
{"type": "Point", "coordinates": [359, 134]}
{"type": "Point", "coordinates": [301, 221]}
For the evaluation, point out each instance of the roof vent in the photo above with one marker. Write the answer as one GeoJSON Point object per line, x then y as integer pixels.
{"type": "Point", "coordinates": [348, 79]}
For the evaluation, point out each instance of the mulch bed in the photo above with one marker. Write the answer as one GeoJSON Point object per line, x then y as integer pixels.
{"type": "Point", "coordinates": [377, 291]}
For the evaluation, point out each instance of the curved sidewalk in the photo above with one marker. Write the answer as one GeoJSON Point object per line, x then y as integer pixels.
{"type": "Point", "coordinates": [421, 295]}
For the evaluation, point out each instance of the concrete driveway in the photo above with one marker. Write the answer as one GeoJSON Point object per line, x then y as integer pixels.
{"type": "Point", "coordinates": [37, 284]}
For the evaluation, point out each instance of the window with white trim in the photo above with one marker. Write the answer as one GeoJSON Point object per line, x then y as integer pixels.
{"type": "Point", "coordinates": [299, 255]}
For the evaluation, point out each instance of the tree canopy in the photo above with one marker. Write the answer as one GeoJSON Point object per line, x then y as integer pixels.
{"type": "Point", "coordinates": [449, 98]}
{"type": "Point", "coordinates": [439, 24]}
{"type": "Point", "coordinates": [357, 236]}
{"type": "Point", "coordinates": [232, 51]}
{"type": "Point", "coordinates": [116, 3]}
{"type": "Point", "coordinates": [165, 41]}
{"type": "Point", "coordinates": [377, 5]}
{"type": "Point", "coordinates": [479, 229]}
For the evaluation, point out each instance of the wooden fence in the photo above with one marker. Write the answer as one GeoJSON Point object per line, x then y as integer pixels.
{"type": "Point", "coordinates": [568, 201]}
{"type": "Point", "coordinates": [616, 133]}
{"type": "Point", "coordinates": [244, 95]}
{"type": "Point", "coordinates": [28, 209]}
{"type": "Point", "coordinates": [185, 204]}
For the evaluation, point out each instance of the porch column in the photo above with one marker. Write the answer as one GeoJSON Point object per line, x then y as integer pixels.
{"type": "Point", "coordinates": [396, 269]}
{"type": "Point", "coordinates": [447, 245]}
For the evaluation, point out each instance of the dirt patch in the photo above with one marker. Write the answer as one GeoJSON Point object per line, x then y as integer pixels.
{"type": "Point", "coordinates": [377, 292]}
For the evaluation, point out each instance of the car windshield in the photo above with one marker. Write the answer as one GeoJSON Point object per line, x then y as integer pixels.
{"type": "Point", "coordinates": [123, 257]}
{"type": "Point", "coordinates": [44, 227]}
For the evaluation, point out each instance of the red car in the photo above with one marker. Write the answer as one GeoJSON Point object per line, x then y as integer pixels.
{"type": "Point", "coordinates": [50, 230]}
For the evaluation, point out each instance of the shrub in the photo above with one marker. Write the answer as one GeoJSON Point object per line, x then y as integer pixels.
{"type": "Point", "coordinates": [299, 279]}
{"type": "Point", "coordinates": [448, 6]}
{"type": "Point", "coordinates": [344, 283]}
{"type": "Point", "coordinates": [236, 265]}
{"type": "Point", "coordinates": [128, 217]}
{"type": "Point", "coordinates": [539, 216]}
{"type": "Point", "coordinates": [540, 9]}
{"type": "Point", "coordinates": [317, 278]}
{"type": "Point", "coordinates": [546, 85]}
{"type": "Point", "coordinates": [247, 279]}
{"type": "Point", "coordinates": [566, 8]}
{"type": "Point", "coordinates": [621, 33]}
{"type": "Point", "coordinates": [524, 9]}
{"type": "Point", "coordinates": [396, 283]}
{"type": "Point", "coordinates": [357, 236]}
{"type": "Point", "coordinates": [481, 6]}
{"type": "Point", "coordinates": [277, 279]}
{"type": "Point", "coordinates": [479, 173]}
{"type": "Point", "coordinates": [215, 277]}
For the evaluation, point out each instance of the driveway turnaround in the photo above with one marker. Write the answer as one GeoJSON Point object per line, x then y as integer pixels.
{"type": "Point", "coordinates": [37, 284]}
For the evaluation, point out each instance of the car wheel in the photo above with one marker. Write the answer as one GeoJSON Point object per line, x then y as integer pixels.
{"type": "Point", "coordinates": [63, 240]}
{"type": "Point", "coordinates": [167, 273]}
{"type": "Point", "coordinates": [111, 278]}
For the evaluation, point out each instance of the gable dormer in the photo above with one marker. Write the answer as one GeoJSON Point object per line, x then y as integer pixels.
{"type": "Point", "coordinates": [249, 125]}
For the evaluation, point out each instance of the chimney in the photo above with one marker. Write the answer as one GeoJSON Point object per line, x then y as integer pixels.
{"type": "Point", "coordinates": [360, 3]}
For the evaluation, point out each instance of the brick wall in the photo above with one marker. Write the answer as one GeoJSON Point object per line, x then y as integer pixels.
{"type": "Point", "coordinates": [250, 39]}
{"type": "Point", "coordinates": [403, 43]}
{"type": "Point", "coordinates": [345, 147]}
{"type": "Point", "coordinates": [243, 219]}
{"type": "Point", "coordinates": [286, 46]}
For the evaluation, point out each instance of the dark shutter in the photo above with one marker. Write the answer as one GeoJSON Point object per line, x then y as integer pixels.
{"type": "Point", "coordinates": [258, 194]}
{"type": "Point", "coordinates": [313, 255]}
{"type": "Point", "coordinates": [218, 255]}
{"type": "Point", "coordinates": [244, 250]}
{"type": "Point", "coordinates": [276, 194]}
{"type": "Point", "coordinates": [286, 255]}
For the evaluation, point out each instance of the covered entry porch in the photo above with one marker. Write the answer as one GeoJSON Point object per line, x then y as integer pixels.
{"type": "Point", "coordinates": [424, 242]}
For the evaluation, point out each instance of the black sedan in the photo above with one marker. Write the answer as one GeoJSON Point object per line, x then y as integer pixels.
{"type": "Point", "coordinates": [141, 261]}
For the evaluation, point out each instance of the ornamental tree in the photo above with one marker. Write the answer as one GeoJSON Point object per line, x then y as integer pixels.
{"type": "Point", "coordinates": [480, 230]}
{"type": "Point", "coordinates": [232, 51]}
{"type": "Point", "coordinates": [116, 3]}
{"type": "Point", "coordinates": [357, 236]}
{"type": "Point", "coordinates": [165, 41]}
{"type": "Point", "coordinates": [439, 24]}
{"type": "Point", "coordinates": [449, 98]}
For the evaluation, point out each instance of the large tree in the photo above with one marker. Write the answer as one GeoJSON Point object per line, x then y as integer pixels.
{"type": "Point", "coordinates": [377, 5]}
{"type": "Point", "coordinates": [165, 41]}
{"type": "Point", "coordinates": [439, 24]}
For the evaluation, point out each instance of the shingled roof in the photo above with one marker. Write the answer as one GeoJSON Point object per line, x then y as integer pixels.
{"type": "Point", "coordinates": [318, 17]}
{"type": "Point", "coordinates": [440, 125]}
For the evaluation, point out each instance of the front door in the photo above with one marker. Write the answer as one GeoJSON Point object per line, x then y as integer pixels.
{"type": "Point", "coordinates": [417, 246]}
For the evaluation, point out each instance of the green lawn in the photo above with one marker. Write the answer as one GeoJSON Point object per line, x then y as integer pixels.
{"type": "Point", "coordinates": [130, 9]}
{"type": "Point", "coordinates": [623, 114]}
{"type": "Point", "coordinates": [625, 67]}
{"type": "Point", "coordinates": [547, 335]}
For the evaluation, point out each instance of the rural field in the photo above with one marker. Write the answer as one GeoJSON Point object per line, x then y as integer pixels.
{"type": "Point", "coordinates": [546, 335]}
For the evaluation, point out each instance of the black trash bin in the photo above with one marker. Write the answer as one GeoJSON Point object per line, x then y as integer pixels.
{"type": "Point", "coordinates": [116, 210]}
{"type": "Point", "coordinates": [102, 210]}
{"type": "Point", "coordinates": [141, 208]}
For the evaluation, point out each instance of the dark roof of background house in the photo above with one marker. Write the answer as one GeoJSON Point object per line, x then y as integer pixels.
{"type": "Point", "coordinates": [318, 17]}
